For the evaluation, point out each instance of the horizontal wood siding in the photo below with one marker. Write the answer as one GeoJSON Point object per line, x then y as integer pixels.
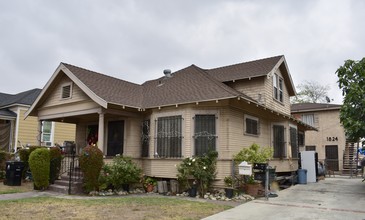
{"type": "Point", "coordinates": [251, 87]}
{"type": "Point", "coordinates": [132, 137]}
{"type": "Point", "coordinates": [27, 129]}
{"type": "Point", "coordinates": [55, 96]}
{"type": "Point", "coordinates": [269, 97]}
{"type": "Point", "coordinates": [64, 132]}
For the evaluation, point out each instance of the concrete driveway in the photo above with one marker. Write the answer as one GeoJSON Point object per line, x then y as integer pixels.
{"type": "Point", "coordinates": [332, 198]}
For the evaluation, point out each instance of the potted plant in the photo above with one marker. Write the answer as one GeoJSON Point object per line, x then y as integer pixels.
{"type": "Point", "coordinates": [253, 154]}
{"type": "Point", "coordinates": [229, 183]}
{"type": "Point", "coordinates": [149, 183]}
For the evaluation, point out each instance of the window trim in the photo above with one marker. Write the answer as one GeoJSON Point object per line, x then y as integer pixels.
{"type": "Point", "coordinates": [297, 140]}
{"type": "Point", "coordinates": [246, 116]}
{"type": "Point", "coordinates": [157, 135]}
{"type": "Point", "coordinates": [285, 150]}
{"type": "Point", "coordinates": [194, 129]}
{"type": "Point", "coordinates": [51, 134]}
{"type": "Point", "coordinates": [146, 137]}
{"type": "Point", "coordinates": [278, 88]}
{"type": "Point", "coordinates": [63, 90]}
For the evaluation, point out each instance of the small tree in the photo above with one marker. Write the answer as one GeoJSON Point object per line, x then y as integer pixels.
{"type": "Point", "coordinates": [351, 79]}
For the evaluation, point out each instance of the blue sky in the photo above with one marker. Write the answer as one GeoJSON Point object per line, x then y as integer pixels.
{"type": "Point", "coordinates": [136, 40]}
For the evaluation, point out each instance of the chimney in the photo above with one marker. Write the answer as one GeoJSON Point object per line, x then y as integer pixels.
{"type": "Point", "coordinates": [167, 73]}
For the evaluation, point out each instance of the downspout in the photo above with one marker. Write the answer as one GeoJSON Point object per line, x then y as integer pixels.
{"type": "Point", "coordinates": [17, 130]}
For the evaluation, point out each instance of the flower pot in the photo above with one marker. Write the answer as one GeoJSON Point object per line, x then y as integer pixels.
{"type": "Point", "coordinates": [149, 188]}
{"type": "Point", "coordinates": [253, 189]}
{"type": "Point", "coordinates": [192, 192]}
{"type": "Point", "coordinates": [229, 193]}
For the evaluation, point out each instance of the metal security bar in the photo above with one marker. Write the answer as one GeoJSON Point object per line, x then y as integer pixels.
{"type": "Point", "coordinates": [169, 136]}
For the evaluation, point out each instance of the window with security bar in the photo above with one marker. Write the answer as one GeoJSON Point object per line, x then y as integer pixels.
{"type": "Point", "coordinates": [294, 142]}
{"type": "Point", "coordinates": [279, 141]}
{"type": "Point", "coordinates": [252, 125]}
{"type": "Point", "coordinates": [204, 134]}
{"type": "Point", "coordinates": [145, 138]}
{"type": "Point", "coordinates": [169, 136]}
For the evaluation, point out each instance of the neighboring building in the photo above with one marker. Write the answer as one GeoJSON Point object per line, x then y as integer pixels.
{"type": "Point", "coordinates": [16, 132]}
{"type": "Point", "coordinates": [179, 115]}
{"type": "Point", "coordinates": [330, 140]}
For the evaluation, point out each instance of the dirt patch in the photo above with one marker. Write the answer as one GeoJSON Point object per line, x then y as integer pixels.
{"type": "Point", "coordinates": [24, 187]}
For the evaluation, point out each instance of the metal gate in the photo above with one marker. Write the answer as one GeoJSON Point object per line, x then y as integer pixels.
{"type": "Point", "coordinates": [332, 157]}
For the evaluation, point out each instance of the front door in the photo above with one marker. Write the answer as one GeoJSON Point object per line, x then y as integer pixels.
{"type": "Point", "coordinates": [332, 157]}
{"type": "Point", "coordinates": [115, 138]}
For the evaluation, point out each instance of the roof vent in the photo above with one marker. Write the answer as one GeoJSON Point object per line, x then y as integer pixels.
{"type": "Point", "coordinates": [167, 73]}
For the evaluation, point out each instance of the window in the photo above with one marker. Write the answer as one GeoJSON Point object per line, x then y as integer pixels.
{"type": "Point", "coordinates": [278, 84]}
{"type": "Point", "coordinates": [294, 142]}
{"type": "Point", "coordinates": [279, 141]}
{"type": "Point", "coordinates": [204, 134]}
{"type": "Point", "coordinates": [66, 91]}
{"type": "Point", "coordinates": [252, 125]}
{"type": "Point", "coordinates": [310, 148]}
{"type": "Point", "coordinates": [301, 138]}
{"type": "Point", "coordinates": [47, 133]}
{"type": "Point", "coordinates": [145, 138]}
{"type": "Point", "coordinates": [308, 119]}
{"type": "Point", "coordinates": [169, 136]}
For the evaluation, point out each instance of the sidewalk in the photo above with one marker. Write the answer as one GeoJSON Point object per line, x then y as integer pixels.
{"type": "Point", "coordinates": [332, 198]}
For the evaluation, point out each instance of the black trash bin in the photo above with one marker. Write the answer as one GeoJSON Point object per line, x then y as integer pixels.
{"type": "Point", "coordinates": [14, 170]}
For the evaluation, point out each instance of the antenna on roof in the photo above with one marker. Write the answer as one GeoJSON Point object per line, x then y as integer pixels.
{"type": "Point", "coordinates": [328, 99]}
{"type": "Point", "coordinates": [167, 73]}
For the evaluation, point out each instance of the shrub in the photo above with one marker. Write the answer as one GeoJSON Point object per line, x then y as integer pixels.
{"type": "Point", "coordinates": [200, 170]}
{"type": "Point", "coordinates": [254, 154]}
{"type": "Point", "coordinates": [55, 163]}
{"type": "Point", "coordinates": [39, 165]}
{"type": "Point", "coordinates": [123, 171]}
{"type": "Point", "coordinates": [4, 156]}
{"type": "Point", "coordinates": [91, 162]}
{"type": "Point", "coordinates": [24, 156]}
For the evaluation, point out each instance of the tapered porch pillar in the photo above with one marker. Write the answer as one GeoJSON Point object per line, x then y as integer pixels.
{"type": "Point", "coordinates": [101, 132]}
{"type": "Point", "coordinates": [39, 136]}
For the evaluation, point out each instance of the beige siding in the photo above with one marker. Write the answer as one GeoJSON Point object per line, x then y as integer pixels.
{"type": "Point", "coordinates": [55, 97]}
{"type": "Point", "coordinates": [132, 137]}
{"type": "Point", "coordinates": [252, 87]}
{"type": "Point", "coordinates": [269, 97]}
{"type": "Point", "coordinates": [27, 129]}
{"type": "Point", "coordinates": [64, 132]}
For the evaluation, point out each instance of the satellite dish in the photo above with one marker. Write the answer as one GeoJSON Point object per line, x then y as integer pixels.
{"type": "Point", "coordinates": [328, 99]}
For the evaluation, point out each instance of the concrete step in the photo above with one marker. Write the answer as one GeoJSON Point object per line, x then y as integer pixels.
{"type": "Point", "coordinates": [75, 189]}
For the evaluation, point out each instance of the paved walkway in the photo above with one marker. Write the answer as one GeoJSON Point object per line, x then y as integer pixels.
{"type": "Point", "coordinates": [333, 198]}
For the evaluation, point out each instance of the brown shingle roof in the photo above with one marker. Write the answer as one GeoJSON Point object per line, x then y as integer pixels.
{"type": "Point", "coordinates": [305, 107]}
{"type": "Point", "coordinates": [112, 90]}
{"type": "Point", "coordinates": [245, 70]}
{"type": "Point", "coordinates": [190, 84]}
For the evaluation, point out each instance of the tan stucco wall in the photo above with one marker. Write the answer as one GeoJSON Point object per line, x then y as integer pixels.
{"type": "Point", "coordinates": [328, 124]}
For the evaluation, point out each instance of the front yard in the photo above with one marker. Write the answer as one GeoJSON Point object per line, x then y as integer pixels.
{"type": "Point", "coordinates": [133, 208]}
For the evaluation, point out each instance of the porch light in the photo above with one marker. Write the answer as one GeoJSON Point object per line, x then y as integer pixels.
{"type": "Point", "coordinates": [244, 168]}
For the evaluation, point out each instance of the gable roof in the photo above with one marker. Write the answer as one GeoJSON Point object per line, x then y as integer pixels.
{"type": "Point", "coordinates": [252, 69]}
{"type": "Point", "coordinates": [24, 98]}
{"type": "Point", "coordinates": [311, 107]}
{"type": "Point", "coordinates": [110, 89]}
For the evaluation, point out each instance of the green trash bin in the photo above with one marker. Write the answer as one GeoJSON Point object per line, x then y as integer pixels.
{"type": "Point", "coordinates": [14, 170]}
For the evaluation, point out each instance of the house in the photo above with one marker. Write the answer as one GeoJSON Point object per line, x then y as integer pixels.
{"type": "Point", "coordinates": [330, 141]}
{"type": "Point", "coordinates": [178, 115]}
{"type": "Point", "coordinates": [16, 132]}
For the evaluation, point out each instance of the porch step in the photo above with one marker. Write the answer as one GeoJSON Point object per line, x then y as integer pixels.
{"type": "Point", "coordinates": [75, 188]}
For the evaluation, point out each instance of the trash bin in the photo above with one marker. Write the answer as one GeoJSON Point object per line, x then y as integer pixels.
{"type": "Point", "coordinates": [302, 176]}
{"type": "Point", "coordinates": [14, 170]}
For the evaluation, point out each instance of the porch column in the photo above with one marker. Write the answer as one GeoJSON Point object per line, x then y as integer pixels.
{"type": "Point", "coordinates": [101, 132]}
{"type": "Point", "coordinates": [39, 136]}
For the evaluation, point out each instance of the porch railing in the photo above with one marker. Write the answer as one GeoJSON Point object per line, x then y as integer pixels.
{"type": "Point", "coordinates": [70, 167]}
